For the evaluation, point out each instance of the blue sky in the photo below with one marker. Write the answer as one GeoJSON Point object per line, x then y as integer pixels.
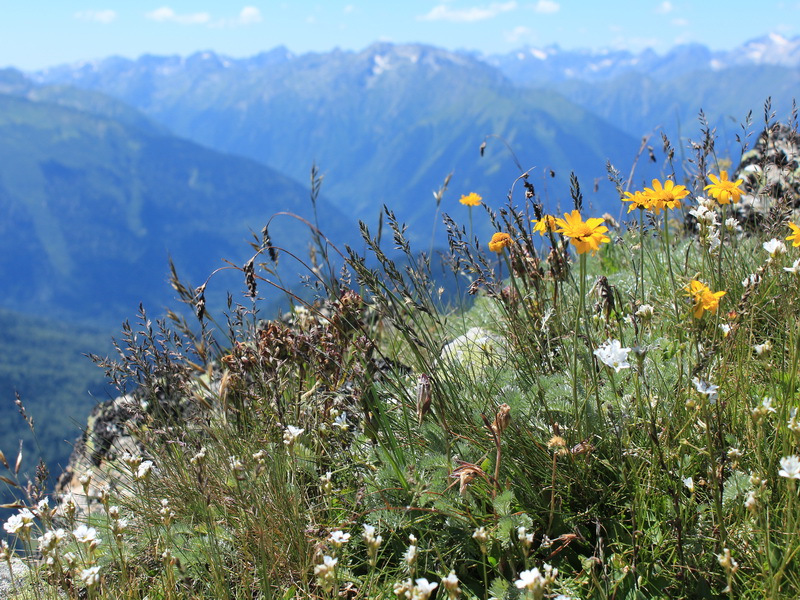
{"type": "Point", "coordinates": [36, 33]}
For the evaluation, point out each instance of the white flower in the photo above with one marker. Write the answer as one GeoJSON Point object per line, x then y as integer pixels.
{"type": "Point", "coordinates": [612, 354]}
{"type": "Point", "coordinates": [732, 225]}
{"type": "Point", "coordinates": [689, 483]}
{"type": "Point", "coordinates": [530, 580]}
{"type": "Point", "coordinates": [704, 216]}
{"type": "Point", "coordinates": [450, 583]}
{"type": "Point", "coordinates": [763, 348]}
{"type": "Point", "coordinates": [790, 467]}
{"type": "Point", "coordinates": [199, 457]}
{"type": "Point", "coordinates": [725, 329]}
{"type": "Point", "coordinates": [20, 523]}
{"type": "Point", "coordinates": [775, 248]}
{"type": "Point", "coordinates": [423, 589]}
{"type": "Point", "coordinates": [326, 566]}
{"type": "Point", "coordinates": [341, 421]}
{"type": "Point", "coordinates": [86, 535]}
{"type": "Point", "coordinates": [339, 538]}
{"type": "Point", "coordinates": [143, 470]}
{"type": "Point", "coordinates": [751, 280]}
{"type": "Point", "coordinates": [794, 269]}
{"type": "Point", "coordinates": [411, 555]}
{"type": "Point", "coordinates": [91, 576]}
{"type": "Point", "coordinates": [750, 503]}
{"type": "Point", "coordinates": [645, 312]}
{"type": "Point", "coordinates": [792, 423]}
{"type": "Point", "coordinates": [291, 433]}
{"type": "Point", "coordinates": [706, 388]}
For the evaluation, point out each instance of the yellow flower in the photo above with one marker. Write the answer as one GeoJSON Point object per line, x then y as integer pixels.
{"type": "Point", "coordinates": [667, 196]}
{"type": "Point", "coordinates": [795, 237]}
{"type": "Point", "coordinates": [499, 241]}
{"type": "Point", "coordinates": [584, 236]}
{"type": "Point", "coordinates": [704, 299]}
{"type": "Point", "coordinates": [723, 190]}
{"type": "Point", "coordinates": [637, 200]}
{"type": "Point", "coordinates": [471, 199]}
{"type": "Point", "coordinates": [545, 224]}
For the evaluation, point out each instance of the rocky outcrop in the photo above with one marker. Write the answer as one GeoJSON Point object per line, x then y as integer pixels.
{"type": "Point", "coordinates": [770, 173]}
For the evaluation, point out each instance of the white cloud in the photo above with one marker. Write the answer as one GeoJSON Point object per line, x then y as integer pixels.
{"type": "Point", "coordinates": [547, 7]}
{"type": "Point", "coordinates": [520, 32]}
{"type": "Point", "coordinates": [166, 15]}
{"type": "Point", "coordinates": [468, 15]}
{"type": "Point", "coordinates": [98, 16]}
{"type": "Point", "coordinates": [664, 8]}
{"type": "Point", "coordinates": [250, 15]}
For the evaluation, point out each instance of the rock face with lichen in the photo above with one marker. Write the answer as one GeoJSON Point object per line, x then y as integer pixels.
{"type": "Point", "coordinates": [770, 175]}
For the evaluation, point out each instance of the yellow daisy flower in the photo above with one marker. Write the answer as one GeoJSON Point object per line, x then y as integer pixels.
{"type": "Point", "coordinates": [723, 190]}
{"type": "Point", "coordinates": [471, 199]}
{"type": "Point", "coordinates": [665, 196]}
{"type": "Point", "coordinates": [545, 224]}
{"type": "Point", "coordinates": [704, 299]}
{"type": "Point", "coordinates": [499, 241]}
{"type": "Point", "coordinates": [795, 237]}
{"type": "Point", "coordinates": [585, 236]}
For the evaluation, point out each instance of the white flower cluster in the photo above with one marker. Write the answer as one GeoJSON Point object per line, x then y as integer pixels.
{"type": "Point", "coordinates": [612, 354]}
{"type": "Point", "coordinates": [537, 582]}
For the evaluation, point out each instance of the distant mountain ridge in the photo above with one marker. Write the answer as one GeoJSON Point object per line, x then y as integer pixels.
{"type": "Point", "coordinates": [95, 198]}
{"type": "Point", "coordinates": [386, 124]}
{"type": "Point", "coordinates": [551, 64]}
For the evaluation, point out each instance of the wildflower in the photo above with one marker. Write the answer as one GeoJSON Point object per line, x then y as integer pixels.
{"type": "Point", "coordinates": [260, 457]}
{"type": "Point", "coordinates": [373, 542]}
{"type": "Point", "coordinates": [450, 583]}
{"type": "Point", "coordinates": [410, 555]}
{"type": "Point", "coordinates": [91, 576]}
{"type": "Point", "coordinates": [423, 589]}
{"type": "Point", "coordinates": [792, 423]}
{"type": "Point", "coordinates": [775, 248]}
{"type": "Point", "coordinates": [402, 589]}
{"type": "Point", "coordinates": [132, 461]}
{"type": "Point", "coordinates": [143, 470]}
{"type": "Point", "coordinates": [705, 217]}
{"type": "Point", "coordinates": [585, 236]}
{"type": "Point", "coordinates": [790, 467]}
{"type": "Point", "coordinates": [481, 537]}
{"type": "Point", "coordinates": [726, 561]}
{"type": "Point", "coordinates": [725, 329]}
{"type": "Point", "coordinates": [751, 503]}
{"type": "Point", "coordinates": [751, 280]}
{"type": "Point", "coordinates": [499, 241]}
{"type": "Point", "coordinates": [86, 535]}
{"type": "Point", "coordinates": [645, 312]}
{"type": "Point", "coordinates": [795, 237]}
{"type": "Point", "coordinates": [198, 458]}
{"type": "Point", "coordinates": [167, 514]}
{"type": "Point", "coordinates": [531, 580]}
{"type": "Point", "coordinates": [794, 269]}
{"type": "Point", "coordinates": [764, 348]}
{"type": "Point", "coordinates": [637, 200]}
{"type": "Point", "coordinates": [339, 538]}
{"type": "Point", "coordinates": [20, 523]}
{"type": "Point", "coordinates": [704, 298]}
{"type": "Point", "coordinates": [665, 196]}
{"type": "Point", "coordinates": [724, 190]}
{"type": "Point", "coordinates": [290, 434]}
{"type": "Point", "coordinates": [612, 354]}
{"type": "Point", "coordinates": [732, 225]}
{"type": "Point", "coordinates": [341, 421]}
{"type": "Point", "coordinates": [706, 388]}
{"type": "Point", "coordinates": [525, 537]}
{"type": "Point", "coordinates": [545, 224]}
{"type": "Point", "coordinates": [689, 483]}
{"type": "Point", "coordinates": [325, 572]}
{"type": "Point", "coordinates": [471, 199]}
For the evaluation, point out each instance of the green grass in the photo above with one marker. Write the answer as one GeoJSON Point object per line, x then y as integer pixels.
{"type": "Point", "coordinates": [512, 449]}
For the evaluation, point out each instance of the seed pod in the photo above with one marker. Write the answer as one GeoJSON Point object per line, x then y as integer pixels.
{"type": "Point", "coordinates": [423, 397]}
